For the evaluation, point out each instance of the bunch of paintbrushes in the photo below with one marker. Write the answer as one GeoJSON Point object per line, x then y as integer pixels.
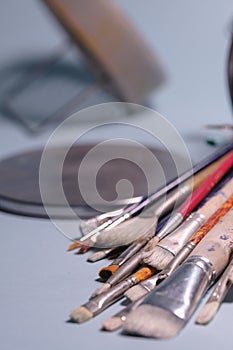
{"type": "Point", "coordinates": [169, 249]}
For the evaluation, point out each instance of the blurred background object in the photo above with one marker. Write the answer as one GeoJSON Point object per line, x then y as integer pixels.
{"type": "Point", "coordinates": [113, 63]}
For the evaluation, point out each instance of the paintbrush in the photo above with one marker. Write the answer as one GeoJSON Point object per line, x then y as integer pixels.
{"type": "Point", "coordinates": [135, 209]}
{"type": "Point", "coordinates": [198, 195]}
{"type": "Point", "coordinates": [160, 255]}
{"type": "Point", "coordinates": [149, 219]}
{"type": "Point", "coordinates": [170, 246]}
{"type": "Point", "coordinates": [212, 305]}
{"type": "Point", "coordinates": [109, 253]}
{"type": "Point", "coordinates": [166, 310]}
{"type": "Point", "coordinates": [136, 227]}
{"type": "Point", "coordinates": [125, 269]}
{"type": "Point", "coordinates": [116, 321]}
{"type": "Point", "coordinates": [148, 285]}
{"type": "Point", "coordinates": [97, 304]}
{"type": "Point", "coordinates": [90, 224]}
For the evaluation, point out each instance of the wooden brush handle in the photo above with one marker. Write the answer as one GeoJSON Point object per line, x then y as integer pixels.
{"type": "Point", "coordinates": [217, 200]}
{"type": "Point", "coordinates": [201, 192]}
{"type": "Point", "coordinates": [218, 244]}
{"type": "Point", "coordinates": [144, 273]}
{"type": "Point", "coordinates": [212, 221]}
{"type": "Point", "coordinates": [200, 177]}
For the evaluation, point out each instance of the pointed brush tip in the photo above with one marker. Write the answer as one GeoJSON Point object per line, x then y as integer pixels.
{"type": "Point", "coordinates": [207, 313]}
{"type": "Point", "coordinates": [73, 246]}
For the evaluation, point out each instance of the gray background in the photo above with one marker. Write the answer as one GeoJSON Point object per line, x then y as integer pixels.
{"type": "Point", "coordinates": [40, 282]}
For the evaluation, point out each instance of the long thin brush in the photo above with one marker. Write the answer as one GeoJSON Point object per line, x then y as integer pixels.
{"type": "Point", "coordinates": [125, 269]}
{"type": "Point", "coordinates": [136, 227]}
{"type": "Point", "coordinates": [167, 309]}
{"type": "Point", "coordinates": [105, 253]}
{"type": "Point", "coordinates": [212, 305]}
{"type": "Point", "coordinates": [181, 235]}
{"type": "Point", "coordinates": [89, 225]}
{"type": "Point", "coordinates": [148, 285]}
{"type": "Point", "coordinates": [135, 209]}
{"type": "Point", "coordinates": [96, 305]}
{"type": "Point", "coordinates": [198, 195]}
{"type": "Point", "coordinates": [160, 255]}
{"type": "Point", "coordinates": [149, 222]}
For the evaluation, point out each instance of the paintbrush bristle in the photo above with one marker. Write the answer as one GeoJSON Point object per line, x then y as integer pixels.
{"type": "Point", "coordinates": [73, 246]}
{"type": "Point", "coordinates": [159, 258]}
{"type": "Point", "coordinates": [96, 256]}
{"type": "Point", "coordinates": [152, 244]}
{"type": "Point", "coordinates": [151, 321]}
{"type": "Point", "coordinates": [135, 292]}
{"type": "Point", "coordinates": [80, 315]}
{"type": "Point", "coordinates": [101, 290]}
{"type": "Point", "coordinates": [112, 324]}
{"type": "Point", "coordinates": [207, 313]}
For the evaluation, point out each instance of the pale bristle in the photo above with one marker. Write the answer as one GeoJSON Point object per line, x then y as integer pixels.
{"type": "Point", "coordinates": [151, 244]}
{"type": "Point", "coordinates": [96, 256]}
{"type": "Point", "coordinates": [101, 290]}
{"type": "Point", "coordinates": [135, 292]}
{"type": "Point", "coordinates": [153, 322]}
{"type": "Point", "coordinates": [80, 315]}
{"type": "Point", "coordinates": [112, 324]}
{"type": "Point", "coordinates": [207, 313]}
{"type": "Point", "coordinates": [159, 258]}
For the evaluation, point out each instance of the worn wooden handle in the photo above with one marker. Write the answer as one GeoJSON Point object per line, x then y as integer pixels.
{"type": "Point", "coordinates": [217, 245]}
{"type": "Point", "coordinates": [217, 200]}
{"type": "Point", "coordinates": [200, 177]}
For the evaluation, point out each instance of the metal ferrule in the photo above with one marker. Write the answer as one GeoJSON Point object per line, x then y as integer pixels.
{"type": "Point", "coordinates": [171, 225]}
{"type": "Point", "coordinates": [150, 283]}
{"type": "Point", "coordinates": [183, 290]}
{"type": "Point", "coordinates": [102, 301]}
{"type": "Point", "coordinates": [182, 234]}
{"type": "Point", "coordinates": [177, 260]}
{"type": "Point", "coordinates": [129, 252]}
{"type": "Point", "coordinates": [223, 285]}
{"type": "Point", "coordinates": [172, 199]}
{"type": "Point", "coordinates": [126, 269]}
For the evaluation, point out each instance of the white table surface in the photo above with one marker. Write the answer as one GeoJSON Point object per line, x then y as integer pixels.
{"type": "Point", "coordinates": [40, 281]}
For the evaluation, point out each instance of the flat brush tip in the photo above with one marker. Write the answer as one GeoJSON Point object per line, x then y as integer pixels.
{"type": "Point", "coordinates": [159, 258]}
{"type": "Point", "coordinates": [153, 322]}
{"type": "Point", "coordinates": [112, 324]}
{"type": "Point", "coordinates": [96, 256]}
{"type": "Point", "coordinates": [207, 313]}
{"type": "Point", "coordinates": [135, 293]}
{"type": "Point", "coordinates": [80, 315]}
{"type": "Point", "coordinates": [73, 246]}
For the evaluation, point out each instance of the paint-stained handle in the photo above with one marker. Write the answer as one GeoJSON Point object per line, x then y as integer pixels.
{"type": "Point", "coordinates": [217, 245]}
{"type": "Point", "coordinates": [217, 200]}
{"type": "Point", "coordinates": [200, 177]}
{"type": "Point", "coordinates": [212, 221]}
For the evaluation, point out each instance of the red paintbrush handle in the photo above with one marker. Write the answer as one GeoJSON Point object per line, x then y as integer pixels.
{"type": "Point", "coordinates": [201, 192]}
